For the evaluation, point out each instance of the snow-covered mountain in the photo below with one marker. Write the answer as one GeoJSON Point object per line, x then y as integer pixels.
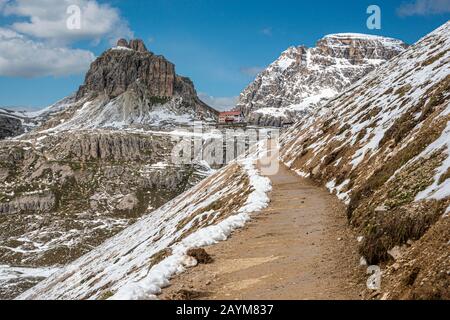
{"type": "Point", "coordinates": [383, 147]}
{"type": "Point", "coordinates": [129, 86]}
{"type": "Point", "coordinates": [303, 79]}
{"type": "Point", "coordinates": [14, 122]}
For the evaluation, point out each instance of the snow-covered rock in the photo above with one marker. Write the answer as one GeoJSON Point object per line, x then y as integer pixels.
{"type": "Point", "coordinates": [303, 79]}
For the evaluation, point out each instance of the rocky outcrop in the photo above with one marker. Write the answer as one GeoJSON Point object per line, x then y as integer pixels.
{"type": "Point", "coordinates": [10, 126]}
{"type": "Point", "coordinates": [39, 203]}
{"type": "Point", "coordinates": [108, 146]}
{"type": "Point", "coordinates": [129, 67]}
{"type": "Point", "coordinates": [131, 82]}
{"type": "Point", "coordinates": [356, 48]}
{"type": "Point", "coordinates": [136, 45]}
{"type": "Point", "coordinates": [303, 79]}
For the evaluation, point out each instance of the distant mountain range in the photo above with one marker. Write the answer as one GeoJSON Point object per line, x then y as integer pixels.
{"type": "Point", "coordinates": [303, 79]}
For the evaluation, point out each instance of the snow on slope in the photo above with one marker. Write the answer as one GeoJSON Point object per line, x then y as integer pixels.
{"type": "Point", "coordinates": [30, 120]}
{"type": "Point", "coordinates": [303, 79]}
{"type": "Point", "coordinates": [383, 147]}
{"type": "Point", "coordinates": [364, 114]}
{"type": "Point", "coordinates": [138, 262]}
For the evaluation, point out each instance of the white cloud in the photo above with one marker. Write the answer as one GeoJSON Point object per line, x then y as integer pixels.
{"type": "Point", "coordinates": [47, 19]}
{"type": "Point", "coordinates": [424, 7]}
{"type": "Point", "coordinates": [23, 57]}
{"type": "Point", "coordinates": [219, 103]}
{"type": "Point", "coordinates": [252, 71]}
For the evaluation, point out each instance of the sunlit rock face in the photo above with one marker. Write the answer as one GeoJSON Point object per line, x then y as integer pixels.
{"type": "Point", "coordinates": [302, 79]}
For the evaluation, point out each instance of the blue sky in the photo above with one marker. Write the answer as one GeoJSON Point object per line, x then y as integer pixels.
{"type": "Point", "coordinates": [218, 44]}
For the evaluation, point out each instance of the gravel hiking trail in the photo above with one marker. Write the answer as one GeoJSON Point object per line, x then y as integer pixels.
{"type": "Point", "coordinates": [300, 247]}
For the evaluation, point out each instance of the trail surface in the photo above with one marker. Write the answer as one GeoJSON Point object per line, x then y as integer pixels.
{"type": "Point", "coordinates": [300, 247]}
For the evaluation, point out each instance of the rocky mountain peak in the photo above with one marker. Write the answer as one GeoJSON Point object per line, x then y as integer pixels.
{"type": "Point", "coordinates": [129, 85]}
{"type": "Point", "coordinates": [129, 66]}
{"type": "Point", "coordinates": [302, 79]}
{"type": "Point", "coordinates": [135, 44]}
{"type": "Point", "coordinates": [355, 46]}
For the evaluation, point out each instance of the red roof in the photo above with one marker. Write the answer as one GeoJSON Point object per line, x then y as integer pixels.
{"type": "Point", "coordinates": [230, 113]}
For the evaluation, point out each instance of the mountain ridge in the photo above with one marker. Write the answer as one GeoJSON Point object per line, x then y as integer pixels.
{"type": "Point", "coordinates": [303, 79]}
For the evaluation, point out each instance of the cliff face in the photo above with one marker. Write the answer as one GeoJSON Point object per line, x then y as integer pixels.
{"type": "Point", "coordinates": [9, 126]}
{"type": "Point", "coordinates": [130, 67]}
{"type": "Point", "coordinates": [303, 79]}
{"type": "Point", "coordinates": [130, 86]}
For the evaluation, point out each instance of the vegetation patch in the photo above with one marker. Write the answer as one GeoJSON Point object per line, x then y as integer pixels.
{"type": "Point", "coordinates": [422, 273]}
{"type": "Point", "coordinates": [434, 58]}
{"type": "Point", "coordinates": [387, 169]}
{"type": "Point", "coordinates": [403, 90]}
{"type": "Point", "coordinates": [160, 256]}
{"type": "Point", "coordinates": [106, 295]}
{"type": "Point", "coordinates": [395, 227]}
{"type": "Point", "coordinates": [444, 177]}
{"type": "Point", "coordinates": [158, 100]}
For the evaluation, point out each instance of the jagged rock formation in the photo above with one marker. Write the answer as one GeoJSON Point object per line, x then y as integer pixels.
{"type": "Point", "coordinates": [130, 67]}
{"type": "Point", "coordinates": [303, 79]}
{"type": "Point", "coordinates": [10, 125]}
{"type": "Point", "coordinates": [129, 86]}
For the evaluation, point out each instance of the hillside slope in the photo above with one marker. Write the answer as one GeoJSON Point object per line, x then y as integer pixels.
{"type": "Point", "coordinates": [383, 148]}
{"type": "Point", "coordinates": [139, 261]}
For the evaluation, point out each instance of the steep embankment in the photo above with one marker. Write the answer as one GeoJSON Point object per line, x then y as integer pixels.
{"type": "Point", "coordinates": [383, 148]}
{"type": "Point", "coordinates": [136, 263]}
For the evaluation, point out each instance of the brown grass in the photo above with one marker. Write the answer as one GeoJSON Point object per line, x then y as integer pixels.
{"type": "Point", "coordinates": [444, 177]}
{"type": "Point", "coordinates": [395, 227]}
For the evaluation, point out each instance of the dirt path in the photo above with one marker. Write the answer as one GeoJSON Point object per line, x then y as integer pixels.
{"type": "Point", "coordinates": [300, 247]}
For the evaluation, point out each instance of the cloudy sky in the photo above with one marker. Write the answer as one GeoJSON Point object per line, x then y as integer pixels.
{"type": "Point", "coordinates": [221, 45]}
